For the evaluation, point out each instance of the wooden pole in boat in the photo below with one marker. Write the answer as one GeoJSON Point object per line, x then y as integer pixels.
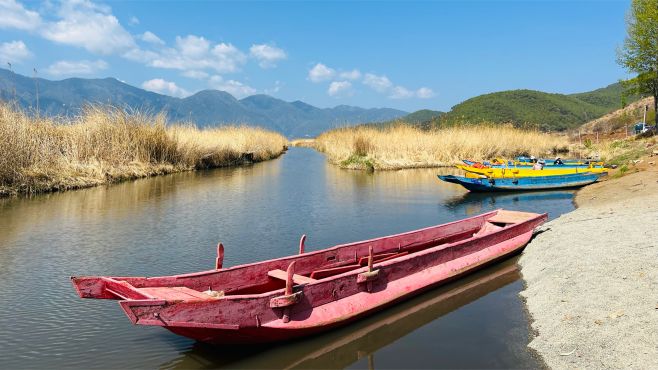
{"type": "Point", "coordinates": [219, 261]}
{"type": "Point", "coordinates": [289, 284]}
{"type": "Point", "coordinates": [370, 258]}
{"type": "Point", "coordinates": [301, 244]}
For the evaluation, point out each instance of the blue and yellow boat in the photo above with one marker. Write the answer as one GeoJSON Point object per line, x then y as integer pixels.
{"type": "Point", "coordinates": [489, 184]}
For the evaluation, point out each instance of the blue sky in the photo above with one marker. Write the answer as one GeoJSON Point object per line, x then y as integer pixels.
{"type": "Point", "coordinates": [406, 55]}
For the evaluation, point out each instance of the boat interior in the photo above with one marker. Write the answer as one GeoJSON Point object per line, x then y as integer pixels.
{"type": "Point", "coordinates": [269, 276]}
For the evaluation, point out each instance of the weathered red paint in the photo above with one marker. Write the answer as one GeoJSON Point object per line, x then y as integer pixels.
{"type": "Point", "coordinates": [318, 290]}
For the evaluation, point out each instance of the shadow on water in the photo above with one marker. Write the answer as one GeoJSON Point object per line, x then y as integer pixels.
{"type": "Point", "coordinates": [347, 346]}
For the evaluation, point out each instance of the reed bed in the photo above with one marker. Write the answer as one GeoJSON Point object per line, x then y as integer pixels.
{"type": "Point", "coordinates": [403, 146]}
{"type": "Point", "coordinates": [106, 144]}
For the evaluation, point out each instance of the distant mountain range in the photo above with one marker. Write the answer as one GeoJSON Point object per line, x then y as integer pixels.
{"type": "Point", "coordinates": [205, 108]}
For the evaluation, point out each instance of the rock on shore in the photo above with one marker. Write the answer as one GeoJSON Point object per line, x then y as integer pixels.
{"type": "Point", "coordinates": [592, 279]}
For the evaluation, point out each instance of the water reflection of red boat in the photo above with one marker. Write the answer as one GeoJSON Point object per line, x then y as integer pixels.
{"type": "Point", "coordinates": [260, 302]}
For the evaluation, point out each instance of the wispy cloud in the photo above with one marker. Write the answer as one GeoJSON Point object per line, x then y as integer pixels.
{"type": "Point", "coordinates": [378, 83]}
{"type": "Point", "coordinates": [354, 74]}
{"type": "Point", "coordinates": [14, 51]}
{"type": "Point", "coordinates": [400, 92]}
{"type": "Point", "coordinates": [267, 55]}
{"type": "Point", "coordinates": [425, 93]}
{"type": "Point", "coordinates": [76, 68]}
{"type": "Point", "coordinates": [162, 86]}
{"type": "Point", "coordinates": [199, 75]}
{"type": "Point", "coordinates": [195, 53]}
{"type": "Point", "coordinates": [321, 72]}
{"type": "Point", "coordinates": [15, 15]}
{"type": "Point", "coordinates": [233, 87]}
{"type": "Point", "coordinates": [152, 38]}
{"type": "Point", "coordinates": [90, 26]}
{"type": "Point", "coordinates": [338, 88]}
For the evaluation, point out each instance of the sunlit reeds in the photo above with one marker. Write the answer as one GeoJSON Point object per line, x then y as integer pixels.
{"type": "Point", "coordinates": [106, 144]}
{"type": "Point", "coordinates": [403, 146]}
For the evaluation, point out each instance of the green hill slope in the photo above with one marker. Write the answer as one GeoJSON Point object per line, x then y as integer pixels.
{"type": "Point", "coordinates": [547, 111]}
{"type": "Point", "coordinates": [422, 115]}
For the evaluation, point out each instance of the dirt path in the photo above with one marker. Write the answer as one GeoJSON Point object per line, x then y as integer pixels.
{"type": "Point", "coordinates": [592, 278]}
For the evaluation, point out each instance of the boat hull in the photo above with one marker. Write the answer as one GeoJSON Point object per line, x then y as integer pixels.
{"type": "Point", "coordinates": [478, 184]}
{"type": "Point", "coordinates": [336, 314]}
{"type": "Point", "coordinates": [256, 310]}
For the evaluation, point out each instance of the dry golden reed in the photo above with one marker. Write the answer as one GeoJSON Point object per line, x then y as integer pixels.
{"type": "Point", "coordinates": [106, 144]}
{"type": "Point", "coordinates": [403, 146]}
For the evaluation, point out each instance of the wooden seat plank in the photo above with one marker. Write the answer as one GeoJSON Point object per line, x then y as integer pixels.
{"type": "Point", "coordinates": [282, 275]}
{"type": "Point", "coordinates": [511, 217]}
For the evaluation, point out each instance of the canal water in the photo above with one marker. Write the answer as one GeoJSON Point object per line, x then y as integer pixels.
{"type": "Point", "coordinates": [171, 224]}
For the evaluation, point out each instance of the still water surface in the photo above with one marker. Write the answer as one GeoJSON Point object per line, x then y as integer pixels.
{"type": "Point", "coordinates": [171, 224]}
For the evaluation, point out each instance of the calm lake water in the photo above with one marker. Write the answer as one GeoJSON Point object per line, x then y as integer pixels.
{"type": "Point", "coordinates": [171, 224]}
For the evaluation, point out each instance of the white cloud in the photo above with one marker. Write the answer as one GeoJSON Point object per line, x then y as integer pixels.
{"type": "Point", "coordinates": [14, 51]}
{"type": "Point", "coordinates": [133, 20]}
{"type": "Point", "coordinates": [235, 88]}
{"type": "Point", "coordinates": [161, 86]}
{"type": "Point", "coordinates": [337, 88]}
{"type": "Point", "coordinates": [90, 26]}
{"type": "Point", "coordinates": [195, 53]}
{"type": "Point", "coordinates": [354, 74]}
{"type": "Point", "coordinates": [378, 83]}
{"type": "Point", "coordinates": [14, 15]}
{"type": "Point", "coordinates": [152, 38]}
{"type": "Point", "coordinates": [321, 72]}
{"type": "Point", "coordinates": [267, 55]}
{"type": "Point", "coordinates": [199, 75]}
{"type": "Point", "coordinates": [76, 68]}
{"type": "Point", "coordinates": [383, 85]}
{"type": "Point", "coordinates": [228, 57]}
{"type": "Point", "coordinates": [399, 92]}
{"type": "Point", "coordinates": [424, 93]}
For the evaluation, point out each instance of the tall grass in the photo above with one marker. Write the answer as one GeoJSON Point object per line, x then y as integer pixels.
{"type": "Point", "coordinates": [106, 144]}
{"type": "Point", "coordinates": [403, 146]}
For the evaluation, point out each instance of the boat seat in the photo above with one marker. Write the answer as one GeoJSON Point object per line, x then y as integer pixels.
{"type": "Point", "coordinates": [296, 279]}
{"type": "Point", "coordinates": [511, 217]}
{"type": "Point", "coordinates": [178, 293]}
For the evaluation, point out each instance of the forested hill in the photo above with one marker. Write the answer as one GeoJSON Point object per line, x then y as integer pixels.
{"type": "Point", "coordinates": [555, 112]}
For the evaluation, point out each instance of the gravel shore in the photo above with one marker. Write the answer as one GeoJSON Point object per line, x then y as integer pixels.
{"type": "Point", "coordinates": [592, 278]}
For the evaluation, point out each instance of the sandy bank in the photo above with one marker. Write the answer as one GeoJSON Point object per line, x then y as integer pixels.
{"type": "Point", "coordinates": [592, 278]}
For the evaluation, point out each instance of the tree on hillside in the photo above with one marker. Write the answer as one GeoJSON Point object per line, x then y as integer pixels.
{"type": "Point", "coordinates": [640, 51]}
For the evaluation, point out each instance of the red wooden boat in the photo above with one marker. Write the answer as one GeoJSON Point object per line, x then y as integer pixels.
{"type": "Point", "coordinates": [311, 292]}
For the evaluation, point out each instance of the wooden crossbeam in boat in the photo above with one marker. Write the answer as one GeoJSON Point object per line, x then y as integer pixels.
{"type": "Point", "coordinates": [282, 275]}
{"type": "Point", "coordinates": [511, 217]}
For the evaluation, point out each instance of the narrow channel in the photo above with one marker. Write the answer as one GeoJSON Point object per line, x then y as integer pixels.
{"type": "Point", "coordinates": [171, 224]}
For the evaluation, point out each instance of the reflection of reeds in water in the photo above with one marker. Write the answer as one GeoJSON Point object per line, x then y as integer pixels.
{"type": "Point", "coordinates": [107, 204]}
{"type": "Point", "coordinates": [405, 184]}
{"type": "Point", "coordinates": [106, 144]}
{"type": "Point", "coordinates": [403, 146]}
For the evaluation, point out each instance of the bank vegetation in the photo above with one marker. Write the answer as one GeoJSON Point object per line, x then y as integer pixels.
{"type": "Point", "coordinates": [403, 146]}
{"type": "Point", "coordinates": [107, 144]}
